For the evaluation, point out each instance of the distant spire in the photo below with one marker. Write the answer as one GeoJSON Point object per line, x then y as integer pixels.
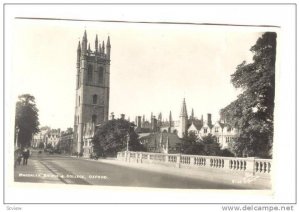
{"type": "Point", "coordinates": [108, 42]}
{"type": "Point", "coordinates": [79, 47]}
{"type": "Point", "coordinates": [160, 116]}
{"type": "Point", "coordinates": [84, 43]}
{"type": "Point", "coordinates": [96, 43]}
{"type": "Point", "coordinates": [108, 47]}
{"type": "Point", "coordinates": [100, 49]}
{"type": "Point", "coordinates": [183, 111]}
{"type": "Point", "coordinates": [192, 114]}
{"type": "Point", "coordinates": [84, 35]}
{"type": "Point", "coordinates": [103, 48]}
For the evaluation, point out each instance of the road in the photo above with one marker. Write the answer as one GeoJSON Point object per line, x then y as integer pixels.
{"type": "Point", "coordinates": [45, 168]}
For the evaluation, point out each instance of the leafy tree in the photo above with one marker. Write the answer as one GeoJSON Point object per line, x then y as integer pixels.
{"type": "Point", "coordinates": [191, 146]}
{"type": "Point", "coordinates": [211, 146]}
{"type": "Point", "coordinates": [252, 112]}
{"type": "Point", "coordinates": [112, 137]}
{"type": "Point", "coordinates": [26, 120]}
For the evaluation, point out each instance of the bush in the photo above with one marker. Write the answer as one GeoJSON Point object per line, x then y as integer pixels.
{"type": "Point", "coordinates": [226, 153]}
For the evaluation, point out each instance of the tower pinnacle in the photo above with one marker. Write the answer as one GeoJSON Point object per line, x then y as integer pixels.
{"type": "Point", "coordinates": [183, 111]}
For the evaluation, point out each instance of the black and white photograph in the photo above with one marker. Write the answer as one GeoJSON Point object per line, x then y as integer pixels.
{"type": "Point", "coordinates": [104, 103]}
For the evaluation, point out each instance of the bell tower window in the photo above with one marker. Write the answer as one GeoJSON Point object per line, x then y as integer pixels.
{"type": "Point", "coordinates": [90, 73]}
{"type": "Point", "coordinates": [100, 75]}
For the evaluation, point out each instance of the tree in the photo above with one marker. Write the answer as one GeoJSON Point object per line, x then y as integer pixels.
{"type": "Point", "coordinates": [211, 146]}
{"type": "Point", "coordinates": [112, 136]}
{"type": "Point", "coordinates": [252, 112]}
{"type": "Point", "coordinates": [26, 120]}
{"type": "Point", "coordinates": [190, 145]}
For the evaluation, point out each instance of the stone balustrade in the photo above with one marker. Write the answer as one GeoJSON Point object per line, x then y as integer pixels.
{"type": "Point", "coordinates": [250, 165]}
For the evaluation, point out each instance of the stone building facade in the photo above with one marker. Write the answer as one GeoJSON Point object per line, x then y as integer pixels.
{"type": "Point", "coordinates": [223, 132]}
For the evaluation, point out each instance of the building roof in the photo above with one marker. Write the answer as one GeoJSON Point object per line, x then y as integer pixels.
{"type": "Point", "coordinates": [161, 138]}
{"type": "Point", "coordinates": [197, 123]}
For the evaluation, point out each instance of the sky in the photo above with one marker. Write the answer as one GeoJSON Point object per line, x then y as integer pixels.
{"type": "Point", "coordinates": [153, 67]}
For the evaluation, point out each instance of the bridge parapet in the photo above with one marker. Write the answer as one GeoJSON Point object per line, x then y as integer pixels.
{"type": "Point", "coordinates": [240, 166]}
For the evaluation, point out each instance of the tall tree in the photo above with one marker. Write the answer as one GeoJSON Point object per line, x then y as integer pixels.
{"type": "Point", "coordinates": [113, 136]}
{"type": "Point", "coordinates": [252, 112]}
{"type": "Point", "coordinates": [26, 120]}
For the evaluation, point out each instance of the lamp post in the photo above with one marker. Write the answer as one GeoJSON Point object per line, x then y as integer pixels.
{"type": "Point", "coordinates": [127, 145]}
{"type": "Point", "coordinates": [17, 138]}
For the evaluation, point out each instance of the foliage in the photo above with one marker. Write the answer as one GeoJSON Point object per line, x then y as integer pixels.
{"type": "Point", "coordinates": [226, 153]}
{"type": "Point", "coordinates": [211, 146]}
{"type": "Point", "coordinates": [252, 112]}
{"type": "Point", "coordinates": [190, 145]}
{"type": "Point", "coordinates": [112, 136]}
{"type": "Point", "coordinates": [207, 145]}
{"type": "Point", "coordinates": [26, 120]}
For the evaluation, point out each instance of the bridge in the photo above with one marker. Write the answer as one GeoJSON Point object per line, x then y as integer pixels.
{"type": "Point", "coordinates": [250, 171]}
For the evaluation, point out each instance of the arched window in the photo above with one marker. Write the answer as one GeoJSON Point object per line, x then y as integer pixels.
{"type": "Point", "coordinates": [95, 99]}
{"type": "Point", "coordinates": [94, 119]}
{"type": "Point", "coordinates": [100, 75]}
{"type": "Point", "coordinates": [90, 73]}
{"type": "Point", "coordinates": [78, 100]}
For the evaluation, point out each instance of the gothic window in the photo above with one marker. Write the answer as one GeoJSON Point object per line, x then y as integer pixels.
{"type": "Point", "coordinates": [78, 100]}
{"type": "Point", "coordinates": [94, 119]}
{"type": "Point", "coordinates": [90, 73]}
{"type": "Point", "coordinates": [217, 129]}
{"type": "Point", "coordinates": [95, 99]}
{"type": "Point", "coordinates": [205, 130]}
{"type": "Point", "coordinates": [100, 75]}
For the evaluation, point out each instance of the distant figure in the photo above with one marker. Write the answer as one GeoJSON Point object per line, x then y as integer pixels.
{"type": "Point", "coordinates": [18, 157]}
{"type": "Point", "coordinates": [26, 154]}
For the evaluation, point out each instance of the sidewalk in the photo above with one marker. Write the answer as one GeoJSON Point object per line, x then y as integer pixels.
{"type": "Point", "coordinates": [34, 172]}
{"type": "Point", "coordinates": [211, 175]}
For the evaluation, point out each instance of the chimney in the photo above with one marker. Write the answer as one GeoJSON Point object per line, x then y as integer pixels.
{"type": "Point", "coordinates": [209, 119]}
{"type": "Point", "coordinates": [112, 116]}
{"type": "Point", "coordinates": [154, 124]}
{"type": "Point", "coordinates": [122, 116]}
{"type": "Point", "coordinates": [139, 122]}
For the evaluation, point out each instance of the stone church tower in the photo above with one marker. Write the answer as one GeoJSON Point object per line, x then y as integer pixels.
{"type": "Point", "coordinates": [92, 88]}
